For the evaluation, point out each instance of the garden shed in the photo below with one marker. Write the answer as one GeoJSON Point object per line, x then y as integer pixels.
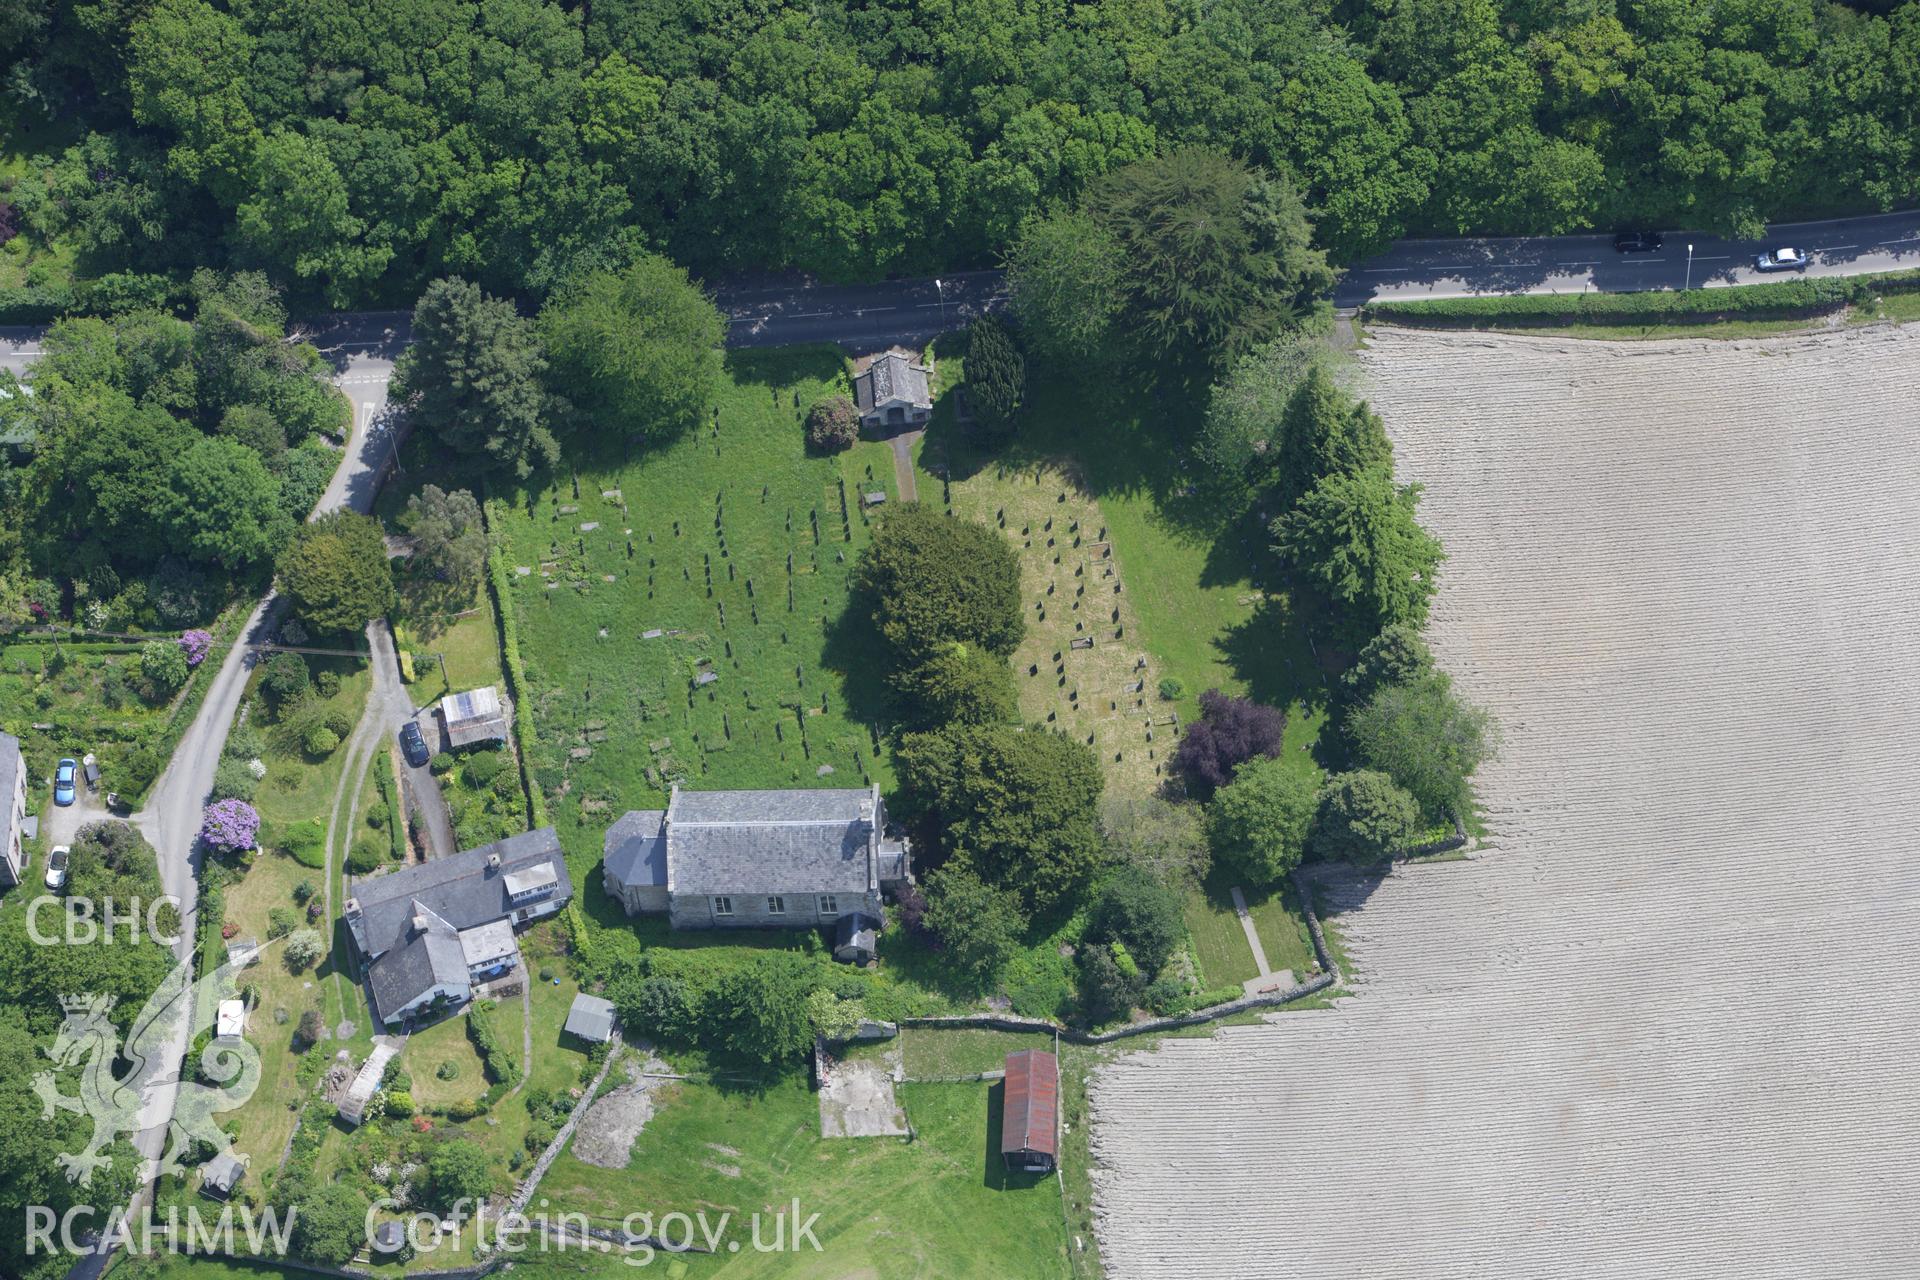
{"type": "Point", "coordinates": [220, 1175]}
{"type": "Point", "coordinates": [1028, 1124]}
{"type": "Point", "coordinates": [591, 1019]}
{"type": "Point", "coordinates": [473, 716]}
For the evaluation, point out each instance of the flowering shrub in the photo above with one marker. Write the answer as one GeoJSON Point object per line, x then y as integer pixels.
{"type": "Point", "coordinates": [195, 644]}
{"type": "Point", "coordinates": [229, 825]}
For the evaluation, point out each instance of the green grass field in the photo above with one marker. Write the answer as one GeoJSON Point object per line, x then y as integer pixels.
{"type": "Point", "coordinates": [733, 545]}
{"type": "Point", "coordinates": [444, 1043]}
{"type": "Point", "coordinates": [936, 1206]}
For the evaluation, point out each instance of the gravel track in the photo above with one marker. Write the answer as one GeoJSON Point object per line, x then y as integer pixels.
{"type": "Point", "coordinates": [1666, 1025]}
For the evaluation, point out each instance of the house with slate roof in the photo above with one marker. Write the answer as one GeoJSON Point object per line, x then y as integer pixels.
{"type": "Point", "coordinates": [13, 810]}
{"type": "Point", "coordinates": [756, 859]}
{"type": "Point", "coordinates": [429, 934]}
{"type": "Point", "coordinates": [893, 393]}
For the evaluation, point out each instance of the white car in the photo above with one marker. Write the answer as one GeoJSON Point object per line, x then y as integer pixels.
{"type": "Point", "coordinates": [56, 876]}
{"type": "Point", "coordinates": [1781, 260]}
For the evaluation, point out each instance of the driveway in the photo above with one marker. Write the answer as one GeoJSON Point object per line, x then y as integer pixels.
{"type": "Point", "coordinates": [64, 821]}
{"type": "Point", "coordinates": [391, 705]}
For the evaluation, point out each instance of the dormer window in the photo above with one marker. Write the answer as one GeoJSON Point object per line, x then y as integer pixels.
{"type": "Point", "coordinates": [531, 883]}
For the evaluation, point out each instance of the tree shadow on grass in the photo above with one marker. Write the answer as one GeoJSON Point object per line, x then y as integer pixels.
{"type": "Point", "coordinates": [779, 367]}
{"type": "Point", "coordinates": [1278, 652]}
{"type": "Point", "coordinates": [856, 654]}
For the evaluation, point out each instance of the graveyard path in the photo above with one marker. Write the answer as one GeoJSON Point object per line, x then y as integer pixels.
{"type": "Point", "coordinates": [905, 483]}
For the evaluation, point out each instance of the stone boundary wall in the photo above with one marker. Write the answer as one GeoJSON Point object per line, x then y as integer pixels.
{"type": "Point", "coordinates": [519, 1200]}
{"type": "Point", "coordinates": [1013, 1022]}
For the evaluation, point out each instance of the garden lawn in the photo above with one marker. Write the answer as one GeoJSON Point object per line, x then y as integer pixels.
{"type": "Point", "coordinates": [445, 1042]}
{"type": "Point", "coordinates": [470, 649]}
{"type": "Point", "coordinates": [1220, 944]}
{"type": "Point", "coordinates": [930, 1052]}
{"type": "Point", "coordinates": [262, 1127]}
{"type": "Point", "coordinates": [939, 1205]}
{"type": "Point", "coordinates": [734, 545]}
{"type": "Point", "coordinates": [297, 786]}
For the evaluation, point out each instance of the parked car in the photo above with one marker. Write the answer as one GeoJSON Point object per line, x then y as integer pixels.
{"type": "Point", "coordinates": [56, 876]}
{"type": "Point", "coordinates": [1781, 260]}
{"type": "Point", "coordinates": [63, 775]}
{"type": "Point", "coordinates": [1637, 242]}
{"type": "Point", "coordinates": [413, 746]}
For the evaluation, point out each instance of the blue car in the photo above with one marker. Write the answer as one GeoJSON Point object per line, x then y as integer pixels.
{"type": "Point", "coordinates": [63, 775]}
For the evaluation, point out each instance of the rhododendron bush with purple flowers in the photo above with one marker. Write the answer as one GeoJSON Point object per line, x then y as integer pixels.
{"type": "Point", "coordinates": [195, 644]}
{"type": "Point", "coordinates": [229, 825]}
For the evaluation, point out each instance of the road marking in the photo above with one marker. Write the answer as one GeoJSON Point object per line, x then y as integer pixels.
{"type": "Point", "coordinates": [1902, 240]}
{"type": "Point", "coordinates": [808, 315]}
{"type": "Point", "coordinates": [924, 305]}
{"type": "Point", "coordinates": [1702, 257]}
{"type": "Point", "coordinates": [1590, 262]}
{"type": "Point", "coordinates": [1830, 248]}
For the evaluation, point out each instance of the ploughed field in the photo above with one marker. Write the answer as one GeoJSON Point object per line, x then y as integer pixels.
{"type": "Point", "coordinates": [1667, 1023]}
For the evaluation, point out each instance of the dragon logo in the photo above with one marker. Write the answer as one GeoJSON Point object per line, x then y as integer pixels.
{"type": "Point", "coordinates": [151, 1093]}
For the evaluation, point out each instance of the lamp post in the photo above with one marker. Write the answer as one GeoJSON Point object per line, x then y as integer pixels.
{"type": "Point", "coordinates": [940, 287]}
{"type": "Point", "coordinates": [1689, 266]}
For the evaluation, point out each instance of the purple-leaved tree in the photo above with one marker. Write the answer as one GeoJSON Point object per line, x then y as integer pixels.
{"type": "Point", "coordinates": [1230, 732]}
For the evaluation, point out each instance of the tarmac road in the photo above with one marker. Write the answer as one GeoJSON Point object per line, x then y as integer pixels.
{"type": "Point", "coordinates": [1575, 264]}
{"type": "Point", "coordinates": [865, 317]}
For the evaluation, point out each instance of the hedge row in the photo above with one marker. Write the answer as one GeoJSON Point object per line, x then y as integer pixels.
{"type": "Point", "coordinates": [396, 817]}
{"type": "Point", "coordinates": [516, 674]}
{"type": "Point", "coordinates": [1778, 300]}
{"type": "Point", "coordinates": [225, 629]}
{"type": "Point", "coordinates": [108, 295]}
{"type": "Point", "coordinates": [500, 1067]}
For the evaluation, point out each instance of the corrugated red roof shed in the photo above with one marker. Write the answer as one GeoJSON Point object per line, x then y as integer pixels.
{"type": "Point", "coordinates": [1028, 1124]}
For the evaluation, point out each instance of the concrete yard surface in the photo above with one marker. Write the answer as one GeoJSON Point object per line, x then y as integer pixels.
{"type": "Point", "coordinates": [606, 1133]}
{"type": "Point", "coordinates": [1666, 1023]}
{"type": "Point", "coordinates": [857, 1099]}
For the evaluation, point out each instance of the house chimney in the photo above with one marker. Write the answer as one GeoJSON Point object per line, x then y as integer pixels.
{"type": "Point", "coordinates": [493, 862]}
{"type": "Point", "coordinates": [353, 908]}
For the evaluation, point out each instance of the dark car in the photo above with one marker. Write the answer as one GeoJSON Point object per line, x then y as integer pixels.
{"type": "Point", "coordinates": [413, 746]}
{"type": "Point", "coordinates": [1637, 242]}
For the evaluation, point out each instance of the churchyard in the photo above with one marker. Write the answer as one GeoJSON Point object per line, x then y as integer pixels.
{"type": "Point", "coordinates": [1092, 497]}
{"type": "Point", "coordinates": [680, 607]}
